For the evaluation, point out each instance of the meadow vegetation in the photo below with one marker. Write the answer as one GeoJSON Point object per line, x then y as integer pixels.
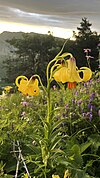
{"type": "Point", "coordinates": [33, 147]}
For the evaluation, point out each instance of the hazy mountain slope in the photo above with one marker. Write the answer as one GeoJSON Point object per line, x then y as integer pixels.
{"type": "Point", "coordinates": [5, 47]}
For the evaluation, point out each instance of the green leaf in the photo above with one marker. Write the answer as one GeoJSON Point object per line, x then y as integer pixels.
{"type": "Point", "coordinates": [76, 155]}
{"type": "Point", "coordinates": [84, 146]}
{"type": "Point", "coordinates": [55, 142]}
{"type": "Point", "coordinates": [58, 123]}
{"type": "Point", "coordinates": [95, 140]}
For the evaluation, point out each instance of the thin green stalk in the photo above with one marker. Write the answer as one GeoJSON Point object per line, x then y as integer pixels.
{"type": "Point", "coordinates": [48, 102]}
{"type": "Point", "coordinates": [88, 60]}
{"type": "Point", "coordinates": [49, 110]}
{"type": "Point", "coordinates": [49, 64]}
{"type": "Point", "coordinates": [40, 82]}
{"type": "Point", "coordinates": [45, 173]}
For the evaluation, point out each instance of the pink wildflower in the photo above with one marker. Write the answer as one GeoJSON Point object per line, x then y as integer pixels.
{"type": "Point", "coordinates": [89, 57]}
{"type": "Point", "coordinates": [87, 50]}
{"type": "Point", "coordinates": [24, 103]}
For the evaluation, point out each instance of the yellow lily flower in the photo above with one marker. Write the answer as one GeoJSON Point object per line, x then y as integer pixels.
{"type": "Point", "coordinates": [27, 87]}
{"type": "Point", "coordinates": [70, 73]}
{"type": "Point", "coordinates": [8, 88]}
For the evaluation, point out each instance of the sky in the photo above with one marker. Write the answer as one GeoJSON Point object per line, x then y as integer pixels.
{"type": "Point", "coordinates": [60, 17]}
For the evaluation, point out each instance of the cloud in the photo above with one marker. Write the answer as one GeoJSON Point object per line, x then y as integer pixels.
{"type": "Point", "coordinates": [53, 6]}
{"type": "Point", "coordinates": [53, 13]}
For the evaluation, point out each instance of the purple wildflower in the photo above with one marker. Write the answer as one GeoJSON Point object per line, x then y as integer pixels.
{"type": "Point", "coordinates": [90, 116]}
{"type": "Point", "coordinates": [89, 105]}
{"type": "Point", "coordinates": [92, 96]}
{"type": "Point", "coordinates": [85, 84]}
{"type": "Point", "coordinates": [79, 101]}
{"type": "Point", "coordinates": [90, 81]}
{"type": "Point", "coordinates": [73, 101]}
{"type": "Point", "coordinates": [76, 93]}
{"type": "Point", "coordinates": [83, 114]}
{"type": "Point", "coordinates": [24, 103]}
{"type": "Point", "coordinates": [66, 106]}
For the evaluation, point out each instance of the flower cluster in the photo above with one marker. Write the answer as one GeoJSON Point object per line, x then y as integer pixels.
{"type": "Point", "coordinates": [68, 72]}
{"type": "Point", "coordinates": [65, 71]}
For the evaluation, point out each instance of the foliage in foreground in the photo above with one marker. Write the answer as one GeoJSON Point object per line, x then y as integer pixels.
{"type": "Point", "coordinates": [74, 133]}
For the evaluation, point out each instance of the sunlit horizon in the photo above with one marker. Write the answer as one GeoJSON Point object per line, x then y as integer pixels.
{"type": "Point", "coordinates": [19, 27]}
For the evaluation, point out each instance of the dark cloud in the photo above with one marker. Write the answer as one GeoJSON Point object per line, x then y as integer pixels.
{"type": "Point", "coordinates": [58, 13]}
{"type": "Point", "coordinates": [54, 6]}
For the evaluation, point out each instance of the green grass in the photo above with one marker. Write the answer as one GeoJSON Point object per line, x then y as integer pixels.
{"type": "Point", "coordinates": [74, 133]}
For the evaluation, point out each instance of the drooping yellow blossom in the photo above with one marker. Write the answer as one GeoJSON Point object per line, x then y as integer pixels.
{"type": "Point", "coordinates": [7, 88]}
{"type": "Point", "coordinates": [70, 73]}
{"type": "Point", "coordinates": [27, 87]}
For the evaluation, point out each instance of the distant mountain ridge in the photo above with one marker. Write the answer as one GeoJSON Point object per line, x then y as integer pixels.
{"type": "Point", "coordinates": [6, 48]}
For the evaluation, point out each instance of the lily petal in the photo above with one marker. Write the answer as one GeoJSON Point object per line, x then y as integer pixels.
{"type": "Point", "coordinates": [87, 73]}
{"type": "Point", "coordinates": [73, 72]}
{"type": "Point", "coordinates": [61, 75]}
{"type": "Point", "coordinates": [22, 86]}
{"type": "Point", "coordinates": [33, 89]}
{"type": "Point", "coordinates": [20, 77]}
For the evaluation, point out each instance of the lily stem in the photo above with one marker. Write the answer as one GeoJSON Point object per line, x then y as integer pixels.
{"type": "Point", "coordinates": [40, 82]}
{"type": "Point", "coordinates": [48, 101]}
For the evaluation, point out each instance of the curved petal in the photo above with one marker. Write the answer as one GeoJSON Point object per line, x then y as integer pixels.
{"type": "Point", "coordinates": [57, 75]}
{"type": "Point", "coordinates": [33, 91]}
{"type": "Point", "coordinates": [32, 88]}
{"type": "Point", "coordinates": [33, 82]}
{"type": "Point", "coordinates": [20, 77]}
{"type": "Point", "coordinates": [76, 77]}
{"type": "Point", "coordinates": [64, 75]}
{"type": "Point", "coordinates": [87, 73]}
{"type": "Point", "coordinates": [73, 72]}
{"type": "Point", "coordinates": [61, 75]}
{"type": "Point", "coordinates": [22, 86]}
